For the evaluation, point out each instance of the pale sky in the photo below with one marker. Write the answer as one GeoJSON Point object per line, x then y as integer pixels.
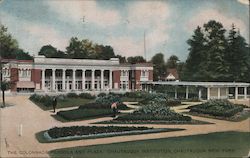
{"type": "Point", "coordinates": [121, 24]}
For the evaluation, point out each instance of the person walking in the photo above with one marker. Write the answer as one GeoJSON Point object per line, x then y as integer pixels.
{"type": "Point", "coordinates": [54, 103]}
{"type": "Point", "coordinates": [114, 108]}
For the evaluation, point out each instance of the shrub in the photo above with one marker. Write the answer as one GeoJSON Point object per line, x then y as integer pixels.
{"type": "Point", "coordinates": [154, 97]}
{"type": "Point", "coordinates": [136, 94]}
{"type": "Point", "coordinates": [86, 96]}
{"type": "Point", "coordinates": [101, 94]}
{"type": "Point", "coordinates": [171, 102]}
{"type": "Point", "coordinates": [108, 99]}
{"type": "Point", "coordinates": [222, 108]}
{"type": "Point", "coordinates": [45, 100]}
{"type": "Point", "coordinates": [72, 95]}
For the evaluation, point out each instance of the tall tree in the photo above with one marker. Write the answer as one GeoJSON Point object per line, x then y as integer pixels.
{"type": "Point", "coordinates": [217, 65]}
{"type": "Point", "coordinates": [159, 66]}
{"type": "Point", "coordinates": [194, 68]}
{"type": "Point", "coordinates": [172, 61]}
{"type": "Point", "coordinates": [238, 56]}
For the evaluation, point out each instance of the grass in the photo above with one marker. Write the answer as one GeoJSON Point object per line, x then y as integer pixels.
{"type": "Point", "coordinates": [82, 114]}
{"type": "Point", "coordinates": [213, 145]}
{"type": "Point", "coordinates": [68, 102]}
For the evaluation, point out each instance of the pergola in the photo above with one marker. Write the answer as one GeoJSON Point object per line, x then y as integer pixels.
{"type": "Point", "coordinates": [215, 90]}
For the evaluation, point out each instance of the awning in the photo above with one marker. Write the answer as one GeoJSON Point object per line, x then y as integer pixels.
{"type": "Point", "coordinates": [25, 84]}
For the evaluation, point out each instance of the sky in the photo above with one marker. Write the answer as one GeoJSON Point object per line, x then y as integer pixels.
{"type": "Point", "coordinates": [167, 24]}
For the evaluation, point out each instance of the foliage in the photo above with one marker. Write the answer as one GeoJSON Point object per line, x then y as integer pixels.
{"type": "Point", "coordinates": [137, 94]}
{"type": "Point", "coordinates": [45, 100]}
{"type": "Point", "coordinates": [154, 98]}
{"type": "Point", "coordinates": [72, 95]}
{"type": "Point", "coordinates": [136, 59]}
{"type": "Point", "coordinates": [58, 132]}
{"type": "Point", "coordinates": [101, 94]}
{"type": "Point", "coordinates": [80, 113]}
{"type": "Point", "coordinates": [217, 107]}
{"type": "Point", "coordinates": [86, 96]}
{"type": "Point", "coordinates": [9, 46]}
{"type": "Point", "coordinates": [172, 61]}
{"type": "Point", "coordinates": [108, 99]}
{"type": "Point", "coordinates": [159, 66]}
{"type": "Point", "coordinates": [154, 111]}
{"type": "Point", "coordinates": [215, 57]}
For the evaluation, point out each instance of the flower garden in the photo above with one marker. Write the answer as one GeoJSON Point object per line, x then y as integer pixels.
{"type": "Point", "coordinates": [87, 132]}
{"type": "Point", "coordinates": [221, 109]}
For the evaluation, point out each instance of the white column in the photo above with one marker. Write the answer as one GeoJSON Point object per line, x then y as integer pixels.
{"type": "Point", "coordinates": [245, 92]}
{"type": "Point", "coordinates": [236, 93]}
{"type": "Point", "coordinates": [110, 80]}
{"type": "Point", "coordinates": [93, 79]}
{"type": "Point", "coordinates": [83, 79]}
{"type": "Point", "coordinates": [218, 92]}
{"type": "Point", "coordinates": [74, 79]}
{"type": "Point", "coordinates": [63, 79]}
{"type": "Point", "coordinates": [227, 92]}
{"type": "Point", "coordinates": [199, 93]}
{"type": "Point", "coordinates": [175, 92]}
{"type": "Point", "coordinates": [67, 83]}
{"type": "Point", "coordinates": [208, 93]}
{"type": "Point", "coordinates": [43, 79]}
{"type": "Point", "coordinates": [187, 92]}
{"type": "Point", "coordinates": [53, 79]}
{"type": "Point", "coordinates": [102, 79]}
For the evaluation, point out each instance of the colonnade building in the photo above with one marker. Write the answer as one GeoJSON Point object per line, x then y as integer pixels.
{"type": "Point", "coordinates": [75, 75]}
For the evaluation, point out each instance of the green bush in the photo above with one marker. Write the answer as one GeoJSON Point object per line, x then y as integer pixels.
{"type": "Point", "coordinates": [108, 99]}
{"type": "Point", "coordinates": [173, 102]}
{"type": "Point", "coordinates": [222, 108]}
{"type": "Point", "coordinates": [138, 94]}
{"type": "Point", "coordinates": [154, 97]}
{"type": "Point", "coordinates": [80, 113]}
{"type": "Point", "coordinates": [72, 95]}
{"type": "Point", "coordinates": [101, 94]}
{"type": "Point", "coordinates": [86, 96]}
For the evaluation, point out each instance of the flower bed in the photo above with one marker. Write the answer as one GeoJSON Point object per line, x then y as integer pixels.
{"type": "Point", "coordinates": [81, 132]}
{"type": "Point", "coordinates": [154, 111]}
{"type": "Point", "coordinates": [222, 108]}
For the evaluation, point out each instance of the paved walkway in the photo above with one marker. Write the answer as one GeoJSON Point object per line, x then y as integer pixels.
{"type": "Point", "coordinates": [33, 120]}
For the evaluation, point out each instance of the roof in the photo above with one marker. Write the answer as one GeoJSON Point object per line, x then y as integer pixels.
{"type": "Point", "coordinates": [203, 84]}
{"type": "Point", "coordinates": [173, 72]}
{"type": "Point", "coordinates": [25, 84]}
{"type": "Point", "coordinates": [147, 64]}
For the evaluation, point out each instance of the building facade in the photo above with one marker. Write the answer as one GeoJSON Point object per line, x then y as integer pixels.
{"type": "Point", "coordinates": [75, 75]}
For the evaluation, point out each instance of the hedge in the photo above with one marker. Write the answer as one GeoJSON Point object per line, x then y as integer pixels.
{"type": "Point", "coordinates": [120, 106]}
{"type": "Point", "coordinates": [78, 114]}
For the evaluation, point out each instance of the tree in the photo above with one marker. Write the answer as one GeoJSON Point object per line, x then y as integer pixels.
{"type": "Point", "coordinates": [195, 67]}
{"type": "Point", "coordinates": [122, 59]}
{"type": "Point", "coordinates": [51, 52]}
{"type": "Point", "coordinates": [136, 59]}
{"type": "Point", "coordinates": [172, 61]}
{"type": "Point", "coordinates": [238, 56]}
{"type": "Point", "coordinates": [159, 66]}
{"type": "Point", "coordinates": [8, 46]}
{"type": "Point", "coordinates": [217, 66]}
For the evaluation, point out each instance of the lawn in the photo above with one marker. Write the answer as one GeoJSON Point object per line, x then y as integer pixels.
{"type": "Point", "coordinates": [67, 102]}
{"type": "Point", "coordinates": [213, 145]}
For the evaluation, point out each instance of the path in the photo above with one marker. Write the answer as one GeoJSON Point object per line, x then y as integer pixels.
{"type": "Point", "coordinates": [34, 119]}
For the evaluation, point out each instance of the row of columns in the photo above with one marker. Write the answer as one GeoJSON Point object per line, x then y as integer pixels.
{"type": "Point", "coordinates": [74, 79]}
{"type": "Point", "coordinates": [219, 92]}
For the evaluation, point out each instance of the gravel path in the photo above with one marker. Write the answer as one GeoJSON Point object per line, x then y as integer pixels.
{"type": "Point", "coordinates": [33, 119]}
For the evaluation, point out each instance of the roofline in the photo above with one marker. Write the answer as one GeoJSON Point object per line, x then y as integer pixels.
{"type": "Point", "coordinates": [203, 84]}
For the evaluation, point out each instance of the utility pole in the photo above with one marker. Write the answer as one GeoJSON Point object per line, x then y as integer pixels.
{"type": "Point", "coordinates": [1, 81]}
{"type": "Point", "coordinates": [145, 53]}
